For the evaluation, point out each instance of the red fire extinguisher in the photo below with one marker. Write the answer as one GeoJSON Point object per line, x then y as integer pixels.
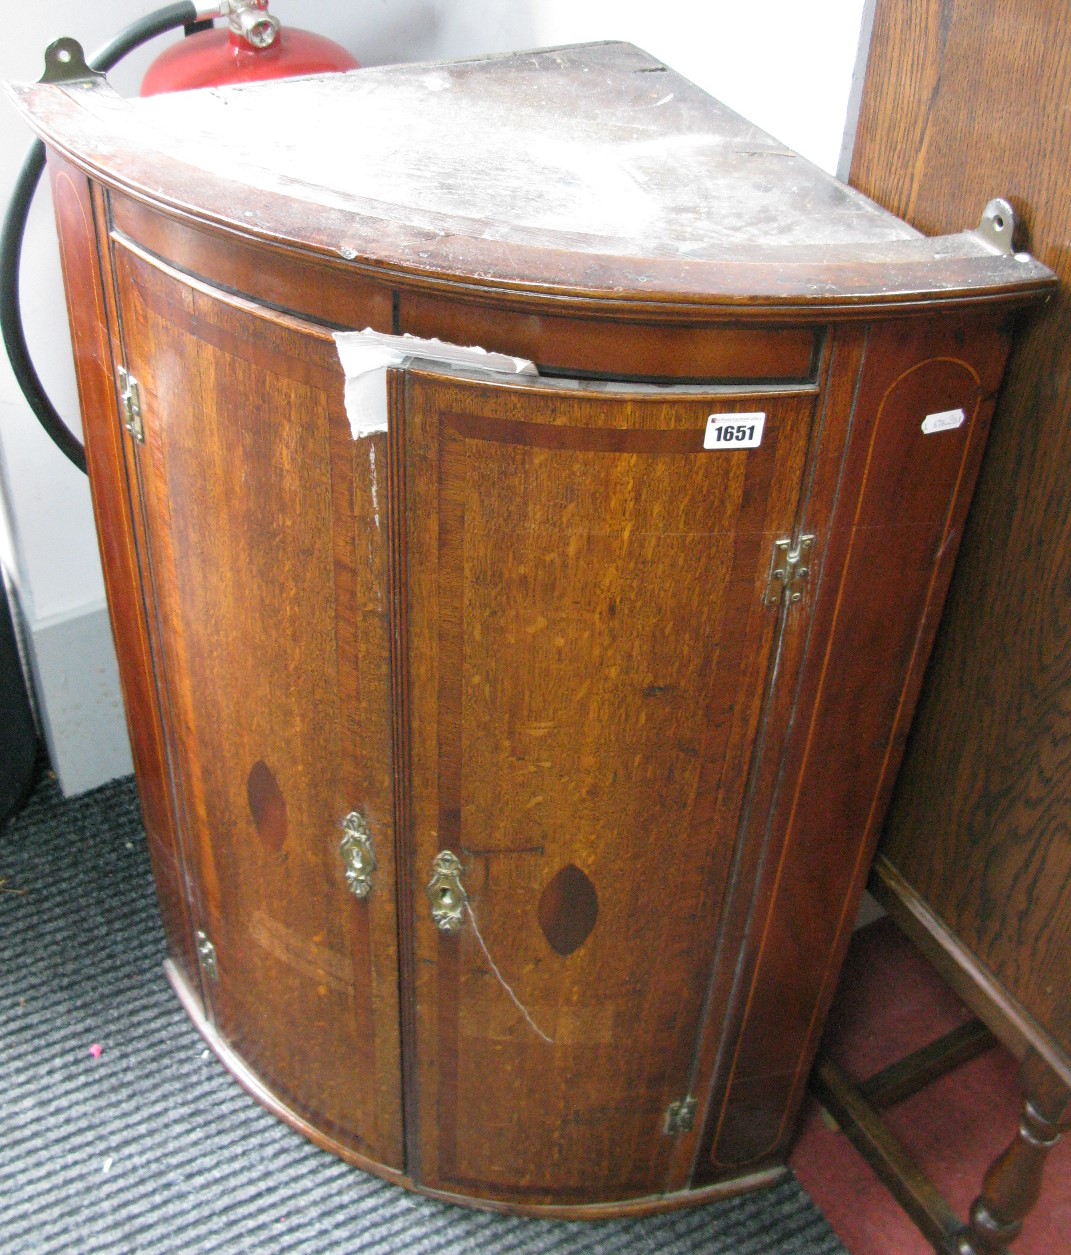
{"type": "Point", "coordinates": [253, 46]}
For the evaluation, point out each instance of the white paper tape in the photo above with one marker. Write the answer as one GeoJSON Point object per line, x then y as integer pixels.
{"type": "Point", "coordinates": [366, 355]}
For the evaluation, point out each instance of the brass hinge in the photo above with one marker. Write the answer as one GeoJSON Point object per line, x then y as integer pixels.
{"type": "Point", "coordinates": [680, 1117]}
{"type": "Point", "coordinates": [788, 569]}
{"type": "Point", "coordinates": [206, 952]}
{"type": "Point", "coordinates": [130, 398]}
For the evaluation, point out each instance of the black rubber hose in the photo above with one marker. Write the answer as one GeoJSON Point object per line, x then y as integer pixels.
{"type": "Point", "coordinates": [136, 34]}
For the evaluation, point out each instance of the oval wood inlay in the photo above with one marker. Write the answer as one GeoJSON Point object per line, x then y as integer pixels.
{"type": "Point", "coordinates": [267, 804]}
{"type": "Point", "coordinates": [568, 910]}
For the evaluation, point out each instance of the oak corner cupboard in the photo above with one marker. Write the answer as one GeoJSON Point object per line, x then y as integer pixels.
{"type": "Point", "coordinates": [511, 773]}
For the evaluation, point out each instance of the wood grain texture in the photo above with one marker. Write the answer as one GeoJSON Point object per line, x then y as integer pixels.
{"type": "Point", "coordinates": [838, 378]}
{"type": "Point", "coordinates": [1013, 1182]}
{"type": "Point", "coordinates": [882, 583]}
{"type": "Point", "coordinates": [657, 352]}
{"type": "Point", "coordinates": [960, 104]}
{"type": "Point", "coordinates": [255, 1087]}
{"type": "Point", "coordinates": [529, 623]}
{"type": "Point", "coordinates": [294, 283]}
{"type": "Point", "coordinates": [81, 222]}
{"type": "Point", "coordinates": [588, 648]}
{"type": "Point", "coordinates": [887, 1157]}
{"type": "Point", "coordinates": [259, 654]}
{"type": "Point", "coordinates": [960, 967]}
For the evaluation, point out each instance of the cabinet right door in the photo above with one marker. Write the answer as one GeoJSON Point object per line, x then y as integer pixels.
{"type": "Point", "coordinates": [589, 658]}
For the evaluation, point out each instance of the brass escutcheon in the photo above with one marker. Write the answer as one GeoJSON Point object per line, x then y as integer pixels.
{"type": "Point", "coordinates": [446, 893]}
{"type": "Point", "coordinates": [358, 854]}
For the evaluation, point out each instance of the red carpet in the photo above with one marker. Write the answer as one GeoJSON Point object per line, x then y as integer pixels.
{"type": "Point", "coordinates": [890, 1003]}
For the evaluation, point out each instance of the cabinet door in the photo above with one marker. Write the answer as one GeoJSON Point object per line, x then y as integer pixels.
{"type": "Point", "coordinates": [271, 642]}
{"type": "Point", "coordinates": [589, 658]}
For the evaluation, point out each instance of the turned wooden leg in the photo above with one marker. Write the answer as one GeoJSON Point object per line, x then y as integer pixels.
{"type": "Point", "coordinates": [1013, 1183]}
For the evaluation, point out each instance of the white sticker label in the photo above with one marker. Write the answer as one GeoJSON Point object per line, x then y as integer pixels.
{"type": "Point", "coordinates": [946, 420]}
{"type": "Point", "coordinates": [734, 431]}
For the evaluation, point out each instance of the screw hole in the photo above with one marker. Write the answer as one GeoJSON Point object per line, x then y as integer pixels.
{"type": "Point", "coordinates": [63, 55]}
{"type": "Point", "coordinates": [998, 222]}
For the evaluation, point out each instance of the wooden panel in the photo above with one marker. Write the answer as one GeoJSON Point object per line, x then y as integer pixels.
{"type": "Point", "coordinates": [248, 479]}
{"type": "Point", "coordinates": [588, 661]}
{"type": "Point", "coordinates": [556, 342]}
{"type": "Point", "coordinates": [105, 457]}
{"type": "Point", "coordinates": [964, 101]}
{"type": "Point", "coordinates": [593, 346]}
{"type": "Point", "coordinates": [287, 281]}
{"type": "Point", "coordinates": [883, 577]}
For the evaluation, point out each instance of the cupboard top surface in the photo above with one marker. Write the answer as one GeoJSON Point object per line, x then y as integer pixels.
{"type": "Point", "coordinates": [592, 169]}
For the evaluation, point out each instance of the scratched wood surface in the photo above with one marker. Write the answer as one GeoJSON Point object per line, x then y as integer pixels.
{"type": "Point", "coordinates": [595, 169]}
{"type": "Point", "coordinates": [965, 96]}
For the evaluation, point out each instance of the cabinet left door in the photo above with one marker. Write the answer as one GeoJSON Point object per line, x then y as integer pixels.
{"type": "Point", "coordinates": [262, 572]}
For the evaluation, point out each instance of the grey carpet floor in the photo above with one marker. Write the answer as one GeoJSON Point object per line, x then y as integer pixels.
{"type": "Point", "coordinates": [151, 1147]}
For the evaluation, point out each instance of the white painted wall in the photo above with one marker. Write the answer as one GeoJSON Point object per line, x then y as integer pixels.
{"type": "Point", "coordinates": [785, 66]}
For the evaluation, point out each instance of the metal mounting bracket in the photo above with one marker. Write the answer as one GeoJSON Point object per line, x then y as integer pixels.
{"type": "Point", "coordinates": [65, 62]}
{"type": "Point", "coordinates": [997, 228]}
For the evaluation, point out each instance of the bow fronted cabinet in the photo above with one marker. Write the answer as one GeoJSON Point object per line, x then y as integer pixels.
{"type": "Point", "coordinates": [512, 767]}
